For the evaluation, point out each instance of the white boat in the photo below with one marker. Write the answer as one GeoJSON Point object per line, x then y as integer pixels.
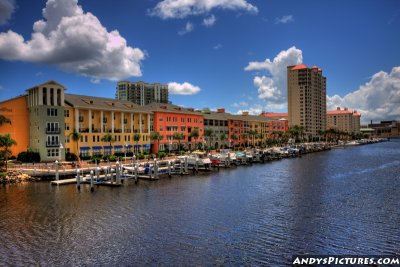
{"type": "Point", "coordinates": [200, 159]}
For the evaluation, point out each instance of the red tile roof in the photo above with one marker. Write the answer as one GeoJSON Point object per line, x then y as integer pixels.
{"type": "Point", "coordinates": [299, 67]}
{"type": "Point", "coordinates": [274, 115]}
{"type": "Point", "coordinates": [339, 112]}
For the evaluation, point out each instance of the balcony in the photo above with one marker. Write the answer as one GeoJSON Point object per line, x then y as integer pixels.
{"type": "Point", "coordinates": [83, 130]}
{"type": "Point", "coordinates": [96, 130]}
{"type": "Point", "coordinates": [117, 130]}
{"type": "Point", "coordinates": [127, 130]}
{"type": "Point", "coordinates": [80, 118]}
{"type": "Point", "coordinates": [53, 130]}
{"type": "Point", "coordinates": [53, 144]}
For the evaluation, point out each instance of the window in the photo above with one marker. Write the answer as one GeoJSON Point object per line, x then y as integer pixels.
{"type": "Point", "coordinates": [52, 127]}
{"type": "Point", "coordinates": [52, 112]}
{"type": "Point", "coordinates": [54, 152]}
{"type": "Point", "coordinates": [161, 119]}
{"type": "Point", "coordinates": [66, 113]}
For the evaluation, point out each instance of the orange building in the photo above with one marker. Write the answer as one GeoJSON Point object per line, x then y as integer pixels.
{"type": "Point", "coordinates": [278, 123]}
{"type": "Point", "coordinates": [15, 109]}
{"type": "Point", "coordinates": [169, 119]}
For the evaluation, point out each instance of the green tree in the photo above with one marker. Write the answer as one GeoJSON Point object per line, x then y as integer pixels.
{"type": "Point", "coordinates": [244, 137]}
{"type": "Point", "coordinates": [136, 138]}
{"type": "Point", "coordinates": [76, 137]}
{"type": "Point", "coordinates": [5, 143]}
{"type": "Point", "coordinates": [234, 138]}
{"type": "Point", "coordinates": [178, 136]}
{"type": "Point", "coordinates": [195, 135]}
{"type": "Point", "coordinates": [209, 134]}
{"type": "Point", "coordinates": [252, 134]}
{"type": "Point", "coordinates": [222, 137]}
{"type": "Point", "coordinates": [156, 136]}
{"type": "Point", "coordinates": [4, 120]}
{"type": "Point", "coordinates": [108, 138]}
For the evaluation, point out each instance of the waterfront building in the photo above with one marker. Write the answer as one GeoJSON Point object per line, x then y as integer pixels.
{"type": "Point", "coordinates": [343, 120]}
{"type": "Point", "coordinates": [385, 129]}
{"type": "Point", "coordinates": [307, 99]}
{"type": "Point", "coordinates": [142, 93]}
{"type": "Point", "coordinates": [94, 117]}
{"type": "Point", "coordinates": [278, 123]}
{"type": "Point", "coordinates": [16, 111]}
{"type": "Point", "coordinates": [169, 119]}
{"type": "Point", "coordinates": [217, 122]}
{"type": "Point", "coordinates": [45, 104]}
{"type": "Point", "coordinates": [256, 129]}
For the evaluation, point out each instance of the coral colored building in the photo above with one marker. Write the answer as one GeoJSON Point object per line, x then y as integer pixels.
{"type": "Point", "coordinates": [169, 119]}
{"type": "Point", "coordinates": [278, 123]}
{"type": "Point", "coordinates": [15, 109]}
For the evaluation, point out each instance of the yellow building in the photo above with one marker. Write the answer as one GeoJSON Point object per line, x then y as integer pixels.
{"type": "Point", "coordinates": [94, 117]}
{"type": "Point", "coordinates": [343, 120]}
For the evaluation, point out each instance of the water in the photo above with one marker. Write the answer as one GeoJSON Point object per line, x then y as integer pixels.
{"type": "Point", "coordinates": [343, 201]}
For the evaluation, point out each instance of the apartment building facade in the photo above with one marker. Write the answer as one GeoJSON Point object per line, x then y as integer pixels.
{"type": "Point", "coordinates": [142, 93]}
{"type": "Point", "coordinates": [169, 119]}
{"type": "Point", "coordinates": [344, 120]}
{"type": "Point", "coordinates": [307, 99]}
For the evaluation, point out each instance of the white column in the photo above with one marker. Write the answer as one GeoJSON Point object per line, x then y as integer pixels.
{"type": "Point", "coordinates": [140, 123]}
{"type": "Point", "coordinates": [112, 121]}
{"type": "Point", "coordinates": [62, 97]}
{"type": "Point", "coordinates": [148, 123]}
{"type": "Point", "coordinates": [55, 90]}
{"type": "Point", "coordinates": [90, 120]}
{"type": "Point", "coordinates": [48, 96]}
{"type": "Point", "coordinates": [77, 120]}
{"type": "Point", "coordinates": [40, 96]}
{"type": "Point", "coordinates": [131, 122]}
{"type": "Point", "coordinates": [101, 121]}
{"type": "Point", "coordinates": [122, 123]}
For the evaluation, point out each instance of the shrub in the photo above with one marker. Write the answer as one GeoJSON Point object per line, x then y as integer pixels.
{"type": "Point", "coordinates": [112, 158]}
{"type": "Point", "coordinates": [70, 156]}
{"type": "Point", "coordinates": [96, 158]}
{"type": "Point", "coordinates": [28, 156]}
{"type": "Point", "coordinates": [161, 154]}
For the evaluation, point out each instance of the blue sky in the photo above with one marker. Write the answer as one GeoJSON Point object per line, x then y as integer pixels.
{"type": "Point", "coordinates": [225, 53]}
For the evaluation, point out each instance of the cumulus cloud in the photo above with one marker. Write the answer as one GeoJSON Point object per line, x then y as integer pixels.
{"type": "Point", "coordinates": [284, 19]}
{"type": "Point", "coordinates": [74, 41]}
{"type": "Point", "coordinates": [217, 46]}
{"type": "Point", "coordinates": [241, 104]}
{"type": "Point", "coordinates": [272, 87]}
{"type": "Point", "coordinates": [6, 9]}
{"type": "Point", "coordinates": [210, 21]}
{"type": "Point", "coordinates": [168, 9]}
{"type": "Point", "coordinates": [378, 99]}
{"type": "Point", "coordinates": [188, 28]}
{"type": "Point", "coordinates": [254, 110]}
{"type": "Point", "coordinates": [183, 88]}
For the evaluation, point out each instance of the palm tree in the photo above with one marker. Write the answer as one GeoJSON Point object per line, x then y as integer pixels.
{"type": "Point", "coordinates": [5, 143]}
{"type": "Point", "coordinates": [209, 133]}
{"type": "Point", "coordinates": [222, 137]}
{"type": "Point", "coordinates": [136, 138]}
{"type": "Point", "coordinates": [109, 139]}
{"type": "Point", "coordinates": [234, 138]}
{"type": "Point", "coordinates": [195, 135]}
{"type": "Point", "coordinates": [179, 137]}
{"type": "Point", "coordinates": [76, 136]}
{"type": "Point", "coordinates": [252, 134]}
{"type": "Point", "coordinates": [244, 137]}
{"type": "Point", "coordinates": [156, 136]}
{"type": "Point", "coordinates": [4, 120]}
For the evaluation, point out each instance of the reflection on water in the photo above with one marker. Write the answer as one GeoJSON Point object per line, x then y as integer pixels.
{"type": "Point", "coordinates": [342, 201]}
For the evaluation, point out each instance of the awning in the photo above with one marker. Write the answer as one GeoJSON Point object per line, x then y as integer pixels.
{"type": "Point", "coordinates": [84, 148]}
{"type": "Point", "coordinates": [107, 147]}
{"type": "Point", "coordinates": [97, 147]}
{"type": "Point", "coordinates": [146, 145]}
{"type": "Point", "coordinates": [118, 146]}
{"type": "Point", "coordinates": [129, 146]}
{"type": "Point", "coordinates": [137, 145]}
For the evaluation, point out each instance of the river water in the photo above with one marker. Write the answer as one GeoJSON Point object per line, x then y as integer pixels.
{"type": "Point", "coordinates": [343, 201]}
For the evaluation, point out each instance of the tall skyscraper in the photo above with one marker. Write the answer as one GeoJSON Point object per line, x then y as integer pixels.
{"type": "Point", "coordinates": [142, 93]}
{"type": "Point", "coordinates": [307, 99]}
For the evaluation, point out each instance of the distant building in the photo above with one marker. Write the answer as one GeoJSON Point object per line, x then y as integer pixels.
{"type": "Point", "coordinates": [344, 120]}
{"type": "Point", "coordinates": [278, 123]}
{"type": "Point", "coordinates": [385, 128]}
{"type": "Point", "coordinates": [142, 93]}
{"type": "Point", "coordinates": [307, 99]}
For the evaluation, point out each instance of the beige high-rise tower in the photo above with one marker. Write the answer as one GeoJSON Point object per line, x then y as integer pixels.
{"type": "Point", "coordinates": [307, 99]}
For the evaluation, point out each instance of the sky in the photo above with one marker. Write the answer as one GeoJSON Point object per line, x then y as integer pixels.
{"type": "Point", "coordinates": [228, 54]}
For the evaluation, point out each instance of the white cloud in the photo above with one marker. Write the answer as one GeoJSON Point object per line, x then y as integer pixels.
{"type": "Point", "coordinates": [217, 46]}
{"type": "Point", "coordinates": [7, 7]}
{"type": "Point", "coordinates": [168, 9]}
{"type": "Point", "coordinates": [188, 28]}
{"type": "Point", "coordinates": [284, 19]}
{"type": "Point", "coordinates": [273, 87]}
{"type": "Point", "coordinates": [210, 21]}
{"type": "Point", "coordinates": [183, 88]}
{"type": "Point", "coordinates": [74, 41]}
{"type": "Point", "coordinates": [378, 99]}
{"type": "Point", "coordinates": [241, 104]}
{"type": "Point", "coordinates": [254, 110]}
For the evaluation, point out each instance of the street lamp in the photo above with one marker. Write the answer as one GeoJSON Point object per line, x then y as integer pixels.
{"type": "Point", "coordinates": [59, 152]}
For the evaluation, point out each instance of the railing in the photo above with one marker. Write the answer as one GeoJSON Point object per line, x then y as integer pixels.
{"type": "Point", "coordinates": [52, 144]}
{"type": "Point", "coordinates": [83, 130]}
{"type": "Point", "coordinates": [53, 130]}
{"type": "Point", "coordinates": [96, 130]}
{"type": "Point", "coordinates": [117, 130]}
